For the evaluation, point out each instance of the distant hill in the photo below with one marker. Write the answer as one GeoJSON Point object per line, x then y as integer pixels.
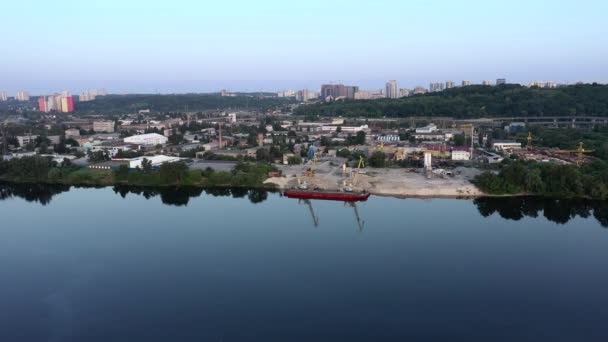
{"type": "Point", "coordinates": [179, 102]}
{"type": "Point", "coordinates": [475, 102]}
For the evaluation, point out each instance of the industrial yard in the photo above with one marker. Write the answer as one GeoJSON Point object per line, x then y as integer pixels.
{"type": "Point", "coordinates": [405, 182]}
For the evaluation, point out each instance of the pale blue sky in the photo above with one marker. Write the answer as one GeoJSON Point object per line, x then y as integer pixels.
{"type": "Point", "coordinates": [182, 45]}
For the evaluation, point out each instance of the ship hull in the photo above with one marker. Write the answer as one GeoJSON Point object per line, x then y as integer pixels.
{"type": "Point", "coordinates": [327, 195]}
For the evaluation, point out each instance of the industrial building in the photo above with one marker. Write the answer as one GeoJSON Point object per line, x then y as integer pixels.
{"type": "Point", "coordinates": [157, 161]}
{"type": "Point", "coordinates": [103, 126]}
{"type": "Point", "coordinates": [147, 139]}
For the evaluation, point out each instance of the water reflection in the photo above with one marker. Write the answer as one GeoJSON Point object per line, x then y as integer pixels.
{"type": "Point", "coordinates": [511, 208]}
{"type": "Point", "coordinates": [41, 193]}
{"type": "Point", "coordinates": [180, 196]}
{"type": "Point", "coordinates": [177, 196]}
{"type": "Point", "coordinates": [556, 210]}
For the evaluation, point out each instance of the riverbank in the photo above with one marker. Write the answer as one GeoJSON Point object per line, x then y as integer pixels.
{"type": "Point", "coordinates": [386, 182]}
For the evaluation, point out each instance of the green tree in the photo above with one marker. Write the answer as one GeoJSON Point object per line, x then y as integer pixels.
{"type": "Point", "coordinates": [377, 159]}
{"type": "Point", "coordinates": [344, 153]}
{"type": "Point", "coordinates": [98, 156]}
{"type": "Point", "coordinates": [360, 138]}
{"type": "Point", "coordinates": [459, 140]}
{"type": "Point", "coordinates": [294, 160]}
{"type": "Point", "coordinates": [173, 173]}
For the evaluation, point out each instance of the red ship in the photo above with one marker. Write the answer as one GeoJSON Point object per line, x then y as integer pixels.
{"type": "Point", "coordinates": [327, 195]}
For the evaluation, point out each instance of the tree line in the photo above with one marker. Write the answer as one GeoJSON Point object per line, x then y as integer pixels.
{"type": "Point", "coordinates": [547, 179]}
{"type": "Point", "coordinates": [476, 101]}
{"type": "Point", "coordinates": [119, 104]}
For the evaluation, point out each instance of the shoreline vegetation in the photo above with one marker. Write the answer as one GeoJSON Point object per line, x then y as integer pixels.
{"type": "Point", "coordinates": [515, 178]}
{"type": "Point", "coordinates": [43, 170]}
{"type": "Point", "coordinates": [522, 178]}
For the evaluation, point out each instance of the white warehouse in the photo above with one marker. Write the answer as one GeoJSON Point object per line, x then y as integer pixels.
{"type": "Point", "coordinates": [156, 161]}
{"type": "Point", "coordinates": [147, 139]}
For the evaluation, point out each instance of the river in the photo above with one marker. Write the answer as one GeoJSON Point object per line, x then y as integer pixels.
{"type": "Point", "coordinates": [129, 264]}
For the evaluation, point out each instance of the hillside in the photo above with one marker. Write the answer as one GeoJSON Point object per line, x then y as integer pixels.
{"type": "Point", "coordinates": [475, 102]}
{"type": "Point", "coordinates": [177, 102]}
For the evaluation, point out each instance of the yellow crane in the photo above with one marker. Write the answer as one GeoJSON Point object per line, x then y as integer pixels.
{"type": "Point", "coordinates": [348, 186]}
{"type": "Point", "coordinates": [580, 151]}
{"type": "Point", "coordinates": [359, 166]}
{"type": "Point", "coordinates": [529, 139]}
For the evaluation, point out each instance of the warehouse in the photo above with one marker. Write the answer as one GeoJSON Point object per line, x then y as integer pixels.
{"type": "Point", "coordinates": [156, 161]}
{"type": "Point", "coordinates": [147, 139]}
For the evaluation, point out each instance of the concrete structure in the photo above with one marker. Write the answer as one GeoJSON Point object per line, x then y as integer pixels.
{"type": "Point", "coordinates": [332, 91]}
{"type": "Point", "coordinates": [392, 91]}
{"type": "Point", "coordinates": [42, 105]}
{"type": "Point", "coordinates": [430, 128]}
{"type": "Point", "coordinates": [103, 126]}
{"type": "Point", "coordinates": [391, 138]}
{"type": "Point", "coordinates": [461, 155]}
{"type": "Point", "coordinates": [543, 84]}
{"type": "Point", "coordinates": [369, 94]}
{"type": "Point", "coordinates": [403, 92]}
{"type": "Point", "coordinates": [505, 145]}
{"type": "Point", "coordinates": [419, 90]}
{"type": "Point", "coordinates": [54, 139]}
{"type": "Point", "coordinates": [449, 84]}
{"type": "Point", "coordinates": [151, 139]}
{"type": "Point", "coordinates": [486, 83]}
{"type": "Point", "coordinates": [345, 129]}
{"type": "Point", "coordinates": [26, 139]}
{"type": "Point", "coordinates": [3, 96]}
{"type": "Point", "coordinates": [501, 81]}
{"type": "Point", "coordinates": [22, 96]}
{"type": "Point", "coordinates": [232, 117]}
{"type": "Point", "coordinates": [72, 133]}
{"type": "Point", "coordinates": [465, 83]}
{"type": "Point", "coordinates": [428, 161]}
{"type": "Point", "coordinates": [157, 161]}
{"type": "Point", "coordinates": [436, 86]}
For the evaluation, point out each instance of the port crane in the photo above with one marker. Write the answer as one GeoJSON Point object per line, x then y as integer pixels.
{"type": "Point", "coordinates": [353, 175]}
{"type": "Point", "coordinates": [529, 140]}
{"type": "Point", "coordinates": [580, 151]}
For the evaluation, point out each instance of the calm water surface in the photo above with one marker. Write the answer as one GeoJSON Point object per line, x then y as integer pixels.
{"type": "Point", "coordinates": [181, 265]}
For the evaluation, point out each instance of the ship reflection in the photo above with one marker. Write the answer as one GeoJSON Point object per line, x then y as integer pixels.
{"type": "Point", "coordinates": [315, 217]}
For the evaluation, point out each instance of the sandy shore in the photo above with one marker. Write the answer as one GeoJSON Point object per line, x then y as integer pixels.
{"type": "Point", "coordinates": [385, 182]}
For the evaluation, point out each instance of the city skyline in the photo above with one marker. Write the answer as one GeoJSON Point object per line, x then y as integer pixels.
{"type": "Point", "coordinates": [185, 46]}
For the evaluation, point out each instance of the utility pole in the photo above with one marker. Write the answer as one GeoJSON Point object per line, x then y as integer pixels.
{"type": "Point", "coordinates": [472, 143]}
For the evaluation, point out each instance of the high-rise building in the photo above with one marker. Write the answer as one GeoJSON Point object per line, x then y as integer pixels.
{"type": "Point", "coordinates": [449, 84]}
{"type": "Point", "coordinates": [419, 90]}
{"type": "Point", "coordinates": [3, 96]}
{"type": "Point", "coordinates": [42, 105]}
{"type": "Point", "coordinates": [403, 92]}
{"type": "Point", "coordinates": [369, 94]}
{"type": "Point", "coordinates": [306, 95]}
{"type": "Point", "coordinates": [57, 102]}
{"type": "Point", "coordinates": [351, 91]}
{"type": "Point", "coordinates": [70, 104]}
{"type": "Point", "coordinates": [542, 84]}
{"type": "Point", "coordinates": [334, 91]}
{"type": "Point", "coordinates": [92, 94]}
{"type": "Point", "coordinates": [500, 81]}
{"type": "Point", "coordinates": [436, 86]}
{"type": "Point", "coordinates": [67, 104]}
{"type": "Point", "coordinates": [50, 103]}
{"type": "Point", "coordinates": [466, 83]}
{"type": "Point", "coordinates": [392, 91]}
{"type": "Point", "coordinates": [486, 83]}
{"type": "Point", "coordinates": [23, 96]}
